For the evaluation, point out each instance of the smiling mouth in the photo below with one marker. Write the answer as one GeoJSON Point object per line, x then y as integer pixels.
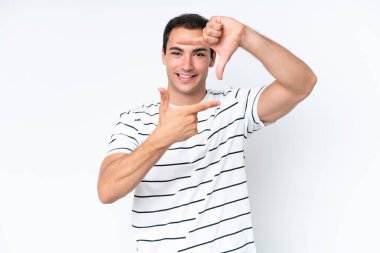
{"type": "Point", "coordinates": [184, 76]}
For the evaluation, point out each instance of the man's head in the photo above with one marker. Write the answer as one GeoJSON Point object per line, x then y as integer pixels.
{"type": "Point", "coordinates": [187, 21]}
{"type": "Point", "coordinates": [186, 65]}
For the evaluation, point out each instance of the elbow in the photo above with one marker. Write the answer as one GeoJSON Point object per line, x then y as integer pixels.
{"type": "Point", "coordinates": [310, 83]}
{"type": "Point", "coordinates": [104, 195]}
{"type": "Point", "coordinates": [108, 195]}
{"type": "Point", "coordinates": [104, 198]}
{"type": "Point", "coordinates": [313, 80]}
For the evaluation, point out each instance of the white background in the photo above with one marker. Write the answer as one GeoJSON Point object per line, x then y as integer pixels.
{"type": "Point", "coordinates": [69, 68]}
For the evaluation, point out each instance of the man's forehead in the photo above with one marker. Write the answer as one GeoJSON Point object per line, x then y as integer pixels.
{"type": "Point", "coordinates": [181, 32]}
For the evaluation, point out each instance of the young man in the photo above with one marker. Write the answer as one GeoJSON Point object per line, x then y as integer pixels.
{"type": "Point", "coordinates": [184, 156]}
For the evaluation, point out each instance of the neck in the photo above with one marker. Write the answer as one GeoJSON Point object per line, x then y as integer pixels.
{"type": "Point", "coordinates": [179, 98]}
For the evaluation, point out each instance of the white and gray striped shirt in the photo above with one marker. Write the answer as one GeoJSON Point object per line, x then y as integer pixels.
{"type": "Point", "coordinates": [195, 198]}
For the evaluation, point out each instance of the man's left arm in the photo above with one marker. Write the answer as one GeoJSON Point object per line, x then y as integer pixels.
{"type": "Point", "coordinates": [294, 79]}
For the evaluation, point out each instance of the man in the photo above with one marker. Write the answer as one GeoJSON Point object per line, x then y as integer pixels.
{"type": "Point", "coordinates": [184, 156]}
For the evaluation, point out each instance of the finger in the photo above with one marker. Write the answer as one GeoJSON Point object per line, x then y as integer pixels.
{"type": "Point", "coordinates": [210, 40]}
{"type": "Point", "coordinates": [191, 41]}
{"type": "Point", "coordinates": [202, 106]}
{"type": "Point", "coordinates": [164, 99]}
{"type": "Point", "coordinates": [215, 26]}
{"type": "Point", "coordinates": [216, 19]}
{"type": "Point", "coordinates": [221, 65]}
{"type": "Point", "coordinates": [213, 33]}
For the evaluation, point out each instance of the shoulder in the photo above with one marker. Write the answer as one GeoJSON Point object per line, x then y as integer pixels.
{"type": "Point", "coordinates": [147, 109]}
{"type": "Point", "coordinates": [223, 94]}
{"type": "Point", "coordinates": [232, 93]}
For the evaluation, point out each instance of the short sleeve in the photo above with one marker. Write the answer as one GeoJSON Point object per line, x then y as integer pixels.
{"type": "Point", "coordinates": [125, 135]}
{"type": "Point", "coordinates": [253, 122]}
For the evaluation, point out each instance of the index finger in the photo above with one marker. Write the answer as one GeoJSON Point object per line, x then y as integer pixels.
{"type": "Point", "coordinates": [191, 41]}
{"type": "Point", "coordinates": [217, 19]}
{"type": "Point", "coordinates": [203, 106]}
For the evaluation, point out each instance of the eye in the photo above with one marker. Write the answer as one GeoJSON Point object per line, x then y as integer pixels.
{"type": "Point", "coordinates": [176, 53]}
{"type": "Point", "coordinates": [200, 54]}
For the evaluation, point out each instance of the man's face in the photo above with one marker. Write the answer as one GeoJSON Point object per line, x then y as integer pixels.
{"type": "Point", "coordinates": [186, 65]}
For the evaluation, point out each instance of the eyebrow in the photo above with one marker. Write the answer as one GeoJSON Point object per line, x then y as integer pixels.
{"type": "Point", "coordinates": [195, 50]}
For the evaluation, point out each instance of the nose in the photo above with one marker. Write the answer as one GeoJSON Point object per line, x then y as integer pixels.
{"type": "Point", "coordinates": [187, 63]}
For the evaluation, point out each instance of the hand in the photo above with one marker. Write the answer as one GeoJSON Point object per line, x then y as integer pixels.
{"type": "Point", "coordinates": [223, 34]}
{"type": "Point", "coordinates": [179, 123]}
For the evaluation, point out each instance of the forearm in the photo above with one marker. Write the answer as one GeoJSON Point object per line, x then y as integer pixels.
{"type": "Point", "coordinates": [123, 174]}
{"type": "Point", "coordinates": [286, 68]}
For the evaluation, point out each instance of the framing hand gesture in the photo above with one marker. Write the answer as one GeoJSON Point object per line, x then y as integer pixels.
{"type": "Point", "coordinates": [223, 35]}
{"type": "Point", "coordinates": [179, 124]}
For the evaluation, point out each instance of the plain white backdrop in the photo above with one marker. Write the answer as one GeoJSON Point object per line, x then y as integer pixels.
{"type": "Point", "coordinates": [69, 68]}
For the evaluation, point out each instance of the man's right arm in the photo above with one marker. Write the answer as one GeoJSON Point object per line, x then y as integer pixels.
{"type": "Point", "coordinates": [120, 173]}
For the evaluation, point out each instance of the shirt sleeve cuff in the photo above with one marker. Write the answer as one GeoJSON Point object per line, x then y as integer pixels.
{"type": "Point", "coordinates": [255, 113]}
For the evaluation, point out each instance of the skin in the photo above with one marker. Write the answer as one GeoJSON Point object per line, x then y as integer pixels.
{"type": "Point", "coordinates": [120, 173]}
{"type": "Point", "coordinates": [184, 61]}
{"type": "Point", "coordinates": [294, 80]}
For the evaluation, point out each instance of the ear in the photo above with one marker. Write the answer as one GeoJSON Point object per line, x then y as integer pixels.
{"type": "Point", "coordinates": [163, 57]}
{"type": "Point", "coordinates": [212, 60]}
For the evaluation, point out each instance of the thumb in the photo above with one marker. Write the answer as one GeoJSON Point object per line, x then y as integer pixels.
{"type": "Point", "coordinates": [164, 99]}
{"type": "Point", "coordinates": [223, 59]}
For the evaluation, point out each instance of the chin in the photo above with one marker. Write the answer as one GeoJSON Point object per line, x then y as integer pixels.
{"type": "Point", "coordinates": [186, 88]}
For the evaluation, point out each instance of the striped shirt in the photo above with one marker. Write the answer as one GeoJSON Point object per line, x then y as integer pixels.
{"type": "Point", "coordinates": [195, 198]}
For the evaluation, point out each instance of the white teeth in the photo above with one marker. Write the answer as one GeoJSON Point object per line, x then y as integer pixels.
{"type": "Point", "coordinates": [185, 76]}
